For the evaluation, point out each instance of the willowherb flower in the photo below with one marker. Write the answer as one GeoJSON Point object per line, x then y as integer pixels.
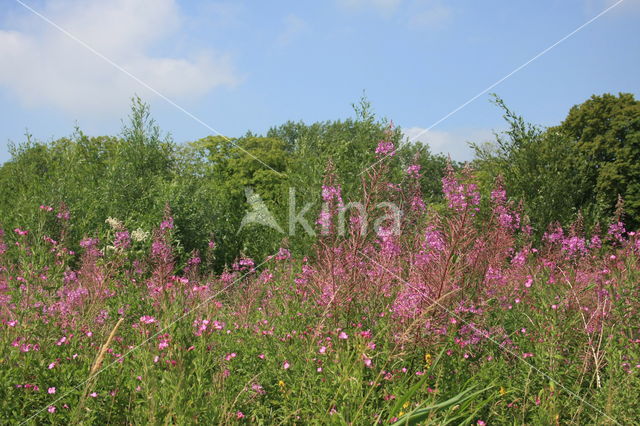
{"type": "Point", "coordinates": [499, 195]}
{"type": "Point", "coordinates": [283, 254]}
{"type": "Point", "coordinates": [20, 231]}
{"type": "Point", "coordinates": [574, 245]}
{"type": "Point", "coordinates": [460, 196]}
{"type": "Point", "coordinates": [414, 171]}
{"type": "Point", "coordinates": [324, 219]}
{"type": "Point", "coordinates": [147, 319]}
{"type": "Point", "coordinates": [167, 223]}
{"type": "Point", "coordinates": [331, 193]}
{"type": "Point", "coordinates": [122, 240]}
{"type": "Point", "coordinates": [385, 149]}
{"type": "Point", "coordinates": [244, 263]}
{"type": "Point", "coordinates": [201, 326]}
{"type": "Point", "coordinates": [367, 361]}
{"type": "Point", "coordinates": [89, 242]}
{"type": "Point", "coordinates": [616, 231]}
{"type": "Point", "coordinates": [555, 235]}
{"type": "Point", "coordinates": [63, 213]}
{"type": "Point", "coordinates": [163, 344]}
{"type": "Point", "coordinates": [433, 239]}
{"type": "Point", "coordinates": [258, 389]}
{"type": "Point", "coordinates": [529, 281]}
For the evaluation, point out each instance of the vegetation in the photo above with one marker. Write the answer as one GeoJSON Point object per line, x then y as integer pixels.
{"type": "Point", "coordinates": [580, 168]}
{"type": "Point", "coordinates": [131, 291]}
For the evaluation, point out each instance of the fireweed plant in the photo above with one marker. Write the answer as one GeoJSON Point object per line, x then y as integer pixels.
{"type": "Point", "coordinates": [423, 318]}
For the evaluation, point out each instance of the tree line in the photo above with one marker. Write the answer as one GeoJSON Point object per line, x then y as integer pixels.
{"type": "Point", "coordinates": [579, 171]}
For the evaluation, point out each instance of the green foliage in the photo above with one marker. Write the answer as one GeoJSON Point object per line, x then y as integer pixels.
{"type": "Point", "coordinates": [95, 177]}
{"type": "Point", "coordinates": [606, 130]}
{"type": "Point", "coordinates": [133, 177]}
{"type": "Point", "coordinates": [233, 166]}
{"type": "Point", "coordinates": [579, 167]}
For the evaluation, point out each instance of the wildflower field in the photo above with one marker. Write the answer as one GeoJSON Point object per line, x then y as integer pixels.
{"type": "Point", "coordinates": [455, 316]}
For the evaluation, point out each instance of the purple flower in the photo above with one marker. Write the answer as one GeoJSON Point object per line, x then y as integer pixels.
{"type": "Point", "coordinates": [414, 171]}
{"type": "Point", "coordinates": [385, 149]}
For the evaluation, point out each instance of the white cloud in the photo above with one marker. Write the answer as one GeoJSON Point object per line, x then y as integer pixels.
{"type": "Point", "coordinates": [454, 143]}
{"type": "Point", "coordinates": [43, 66]}
{"type": "Point", "coordinates": [429, 14]}
{"type": "Point", "coordinates": [293, 26]}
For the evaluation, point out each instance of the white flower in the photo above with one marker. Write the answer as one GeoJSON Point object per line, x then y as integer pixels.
{"type": "Point", "coordinates": [115, 224]}
{"type": "Point", "coordinates": [139, 235]}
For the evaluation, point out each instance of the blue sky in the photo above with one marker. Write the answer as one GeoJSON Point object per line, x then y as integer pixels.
{"type": "Point", "coordinates": [249, 65]}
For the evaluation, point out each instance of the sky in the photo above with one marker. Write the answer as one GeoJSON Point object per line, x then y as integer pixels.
{"type": "Point", "coordinates": [226, 67]}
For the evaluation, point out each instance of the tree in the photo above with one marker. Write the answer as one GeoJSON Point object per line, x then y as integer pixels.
{"type": "Point", "coordinates": [539, 168]}
{"type": "Point", "coordinates": [606, 130]}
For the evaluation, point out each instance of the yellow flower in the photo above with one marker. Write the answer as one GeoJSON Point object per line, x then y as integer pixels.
{"type": "Point", "coordinates": [405, 405]}
{"type": "Point", "coordinates": [502, 391]}
{"type": "Point", "coordinates": [427, 359]}
{"type": "Point", "coordinates": [401, 413]}
{"type": "Point", "coordinates": [281, 383]}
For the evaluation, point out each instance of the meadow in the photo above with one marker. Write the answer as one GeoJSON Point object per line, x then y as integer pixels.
{"type": "Point", "coordinates": [453, 315]}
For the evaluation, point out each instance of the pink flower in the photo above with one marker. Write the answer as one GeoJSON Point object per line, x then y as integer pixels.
{"type": "Point", "coordinates": [283, 254]}
{"type": "Point", "coordinates": [52, 390]}
{"type": "Point", "coordinates": [286, 365]}
{"type": "Point", "coordinates": [147, 319]}
{"type": "Point", "coordinates": [367, 361]}
{"type": "Point", "coordinates": [258, 389]}
{"type": "Point", "coordinates": [52, 365]}
{"type": "Point", "coordinates": [322, 349]}
{"type": "Point", "coordinates": [261, 356]}
{"type": "Point", "coordinates": [385, 148]}
{"type": "Point", "coordinates": [240, 415]}
{"type": "Point", "coordinates": [414, 171]}
{"type": "Point", "coordinates": [51, 409]}
{"type": "Point", "coordinates": [230, 356]}
{"type": "Point", "coordinates": [93, 395]}
{"type": "Point", "coordinates": [528, 282]}
{"type": "Point", "coordinates": [343, 335]}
